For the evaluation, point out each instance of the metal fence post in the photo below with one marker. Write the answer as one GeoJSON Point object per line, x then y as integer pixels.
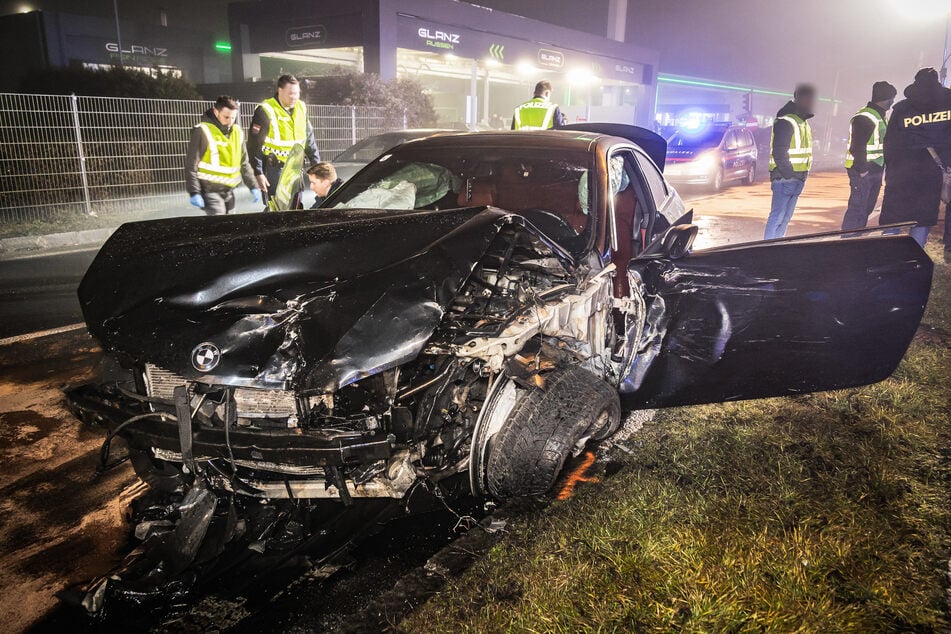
{"type": "Point", "coordinates": [74, 102]}
{"type": "Point", "coordinates": [353, 125]}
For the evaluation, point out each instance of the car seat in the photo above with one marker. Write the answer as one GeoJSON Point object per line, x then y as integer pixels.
{"type": "Point", "coordinates": [477, 193]}
{"type": "Point", "coordinates": [625, 206]}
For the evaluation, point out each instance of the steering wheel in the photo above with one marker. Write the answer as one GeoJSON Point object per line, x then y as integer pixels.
{"type": "Point", "coordinates": [549, 223]}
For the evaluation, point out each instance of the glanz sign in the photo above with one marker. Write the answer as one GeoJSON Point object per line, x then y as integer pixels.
{"type": "Point", "coordinates": [306, 36]}
{"type": "Point", "coordinates": [435, 38]}
{"type": "Point", "coordinates": [137, 49]}
{"type": "Point", "coordinates": [550, 58]}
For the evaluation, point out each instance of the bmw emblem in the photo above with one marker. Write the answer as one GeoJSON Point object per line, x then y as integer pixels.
{"type": "Point", "coordinates": [205, 357]}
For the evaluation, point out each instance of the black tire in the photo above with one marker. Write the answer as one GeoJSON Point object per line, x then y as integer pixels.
{"type": "Point", "coordinates": [527, 454]}
{"type": "Point", "coordinates": [718, 180]}
{"type": "Point", "coordinates": [751, 175]}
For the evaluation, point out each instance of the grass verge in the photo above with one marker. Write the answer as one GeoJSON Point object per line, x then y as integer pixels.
{"type": "Point", "coordinates": [822, 512]}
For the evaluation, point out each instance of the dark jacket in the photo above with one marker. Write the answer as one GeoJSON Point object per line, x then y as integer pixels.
{"type": "Point", "coordinates": [333, 187]}
{"type": "Point", "coordinates": [912, 178]}
{"type": "Point", "coordinates": [197, 144]}
{"type": "Point", "coordinates": [861, 130]}
{"type": "Point", "coordinates": [782, 135]}
{"type": "Point", "coordinates": [260, 125]}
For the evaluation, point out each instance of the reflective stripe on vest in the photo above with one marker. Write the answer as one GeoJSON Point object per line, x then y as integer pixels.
{"type": "Point", "coordinates": [875, 146]}
{"type": "Point", "coordinates": [284, 131]}
{"type": "Point", "coordinates": [800, 145]}
{"type": "Point", "coordinates": [221, 162]}
{"type": "Point", "coordinates": [535, 114]}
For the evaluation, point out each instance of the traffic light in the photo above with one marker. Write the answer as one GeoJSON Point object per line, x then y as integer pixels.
{"type": "Point", "coordinates": [748, 102]}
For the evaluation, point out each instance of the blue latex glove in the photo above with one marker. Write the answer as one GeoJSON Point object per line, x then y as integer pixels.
{"type": "Point", "coordinates": [256, 195]}
{"type": "Point", "coordinates": [197, 200]}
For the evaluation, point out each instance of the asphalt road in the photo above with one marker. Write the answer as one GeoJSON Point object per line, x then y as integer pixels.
{"type": "Point", "coordinates": [37, 293]}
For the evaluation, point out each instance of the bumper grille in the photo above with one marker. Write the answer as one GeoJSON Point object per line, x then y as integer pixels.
{"type": "Point", "coordinates": [250, 402]}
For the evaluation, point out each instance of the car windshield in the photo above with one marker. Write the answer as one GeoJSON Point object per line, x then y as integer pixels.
{"type": "Point", "coordinates": [550, 189]}
{"type": "Point", "coordinates": [368, 149]}
{"type": "Point", "coordinates": [702, 140]}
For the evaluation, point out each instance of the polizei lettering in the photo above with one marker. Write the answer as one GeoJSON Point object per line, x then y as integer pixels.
{"type": "Point", "coordinates": [929, 117]}
{"type": "Point", "coordinates": [438, 39]}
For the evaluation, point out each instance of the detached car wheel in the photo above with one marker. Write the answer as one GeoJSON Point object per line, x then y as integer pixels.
{"type": "Point", "coordinates": [545, 427]}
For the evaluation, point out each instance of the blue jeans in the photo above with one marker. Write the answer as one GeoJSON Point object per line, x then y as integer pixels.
{"type": "Point", "coordinates": [785, 195]}
{"type": "Point", "coordinates": [862, 198]}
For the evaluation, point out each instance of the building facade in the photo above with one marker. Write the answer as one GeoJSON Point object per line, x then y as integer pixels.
{"type": "Point", "coordinates": [476, 62]}
{"type": "Point", "coordinates": [40, 40]}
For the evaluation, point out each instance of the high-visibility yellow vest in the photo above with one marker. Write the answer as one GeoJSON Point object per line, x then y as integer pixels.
{"type": "Point", "coordinates": [800, 145]}
{"type": "Point", "coordinates": [285, 130]}
{"type": "Point", "coordinates": [221, 162]}
{"type": "Point", "coordinates": [875, 146]}
{"type": "Point", "coordinates": [535, 114]}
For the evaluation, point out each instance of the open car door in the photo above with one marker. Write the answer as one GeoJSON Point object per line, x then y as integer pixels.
{"type": "Point", "coordinates": [775, 318]}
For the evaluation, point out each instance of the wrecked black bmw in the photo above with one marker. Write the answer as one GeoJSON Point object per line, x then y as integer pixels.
{"type": "Point", "coordinates": [473, 307]}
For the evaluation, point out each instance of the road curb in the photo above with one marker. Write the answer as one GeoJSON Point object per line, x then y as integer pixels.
{"type": "Point", "coordinates": [36, 244]}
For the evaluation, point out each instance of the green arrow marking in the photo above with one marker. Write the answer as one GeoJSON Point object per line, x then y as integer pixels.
{"type": "Point", "coordinates": [497, 51]}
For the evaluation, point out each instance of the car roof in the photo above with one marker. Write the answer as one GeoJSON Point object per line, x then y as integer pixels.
{"type": "Point", "coordinates": [547, 139]}
{"type": "Point", "coordinates": [412, 133]}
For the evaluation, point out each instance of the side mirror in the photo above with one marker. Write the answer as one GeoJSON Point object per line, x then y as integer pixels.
{"type": "Point", "coordinates": [675, 243]}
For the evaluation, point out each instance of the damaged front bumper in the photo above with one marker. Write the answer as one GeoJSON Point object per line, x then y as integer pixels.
{"type": "Point", "coordinates": [271, 462]}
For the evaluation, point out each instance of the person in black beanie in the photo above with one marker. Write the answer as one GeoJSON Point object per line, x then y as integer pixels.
{"type": "Point", "coordinates": [920, 124]}
{"type": "Point", "coordinates": [865, 158]}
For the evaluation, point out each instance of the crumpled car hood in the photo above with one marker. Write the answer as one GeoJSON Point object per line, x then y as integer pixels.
{"type": "Point", "coordinates": [305, 300]}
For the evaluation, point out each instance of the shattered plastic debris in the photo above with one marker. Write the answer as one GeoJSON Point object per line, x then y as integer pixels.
{"type": "Point", "coordinates": [496, 525]}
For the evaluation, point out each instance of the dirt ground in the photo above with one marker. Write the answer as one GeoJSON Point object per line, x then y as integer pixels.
{"type": "Point", "coordinates": [59, 526]}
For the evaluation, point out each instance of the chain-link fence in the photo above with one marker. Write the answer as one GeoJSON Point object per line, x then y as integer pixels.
{"type": "Point", "coordinates": [64, 155]}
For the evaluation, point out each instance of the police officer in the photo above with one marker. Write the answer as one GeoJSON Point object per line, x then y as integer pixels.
{"type": "Point", "coordinates": [279, 124]}
{"type": "Point", "coordinates": [865, 157]}
{"type": "Point", "coordinates": [918, 138]}
{"type": "Point", "coordinates": [217, 161]}
{"type": "Point", "coordinates": [790, 158]}
{"type": "Point", "coordinates": [538, 113]}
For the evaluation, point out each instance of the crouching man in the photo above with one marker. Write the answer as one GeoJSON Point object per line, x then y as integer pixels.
{"type": "Point", "coordinates": [323, 181]}
{"type": "Point", "coordinates": [217, 160]}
